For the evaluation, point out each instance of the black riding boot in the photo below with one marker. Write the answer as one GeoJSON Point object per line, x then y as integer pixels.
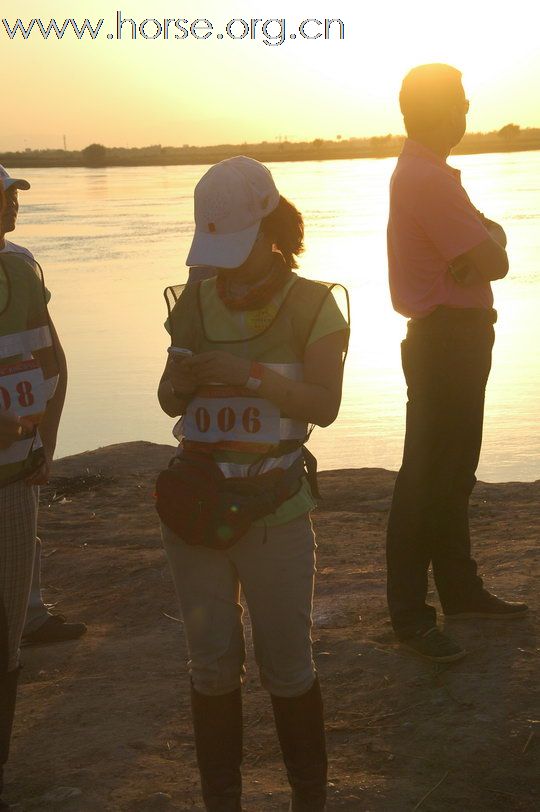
{"type": "Point", "coordinates": [217, 723]}
{"type": "Point", "coordinates": [300, 728]}
{"type": "Point", "coordinates": [8, 693]}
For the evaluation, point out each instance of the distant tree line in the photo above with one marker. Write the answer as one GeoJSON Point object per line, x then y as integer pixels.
{"type": "Point", "coordinates": [511, 137]}
{"type": "Point", "coordinates": [509, 132]}
{"type": "Point", "coordinates": [94, 155]}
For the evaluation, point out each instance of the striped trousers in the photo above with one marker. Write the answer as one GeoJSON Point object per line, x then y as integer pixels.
{"type": "Point", "coordinates": [18, 529]}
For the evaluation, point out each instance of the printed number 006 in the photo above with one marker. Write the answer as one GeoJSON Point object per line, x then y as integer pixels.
{"type": "Point", "coordinates": [24, 392]}
{"type": "Point", "coordinates": [226, 420]}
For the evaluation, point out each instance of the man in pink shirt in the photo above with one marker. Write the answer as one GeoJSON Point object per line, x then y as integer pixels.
{"type": "Point", "coordinates": [442, 256]}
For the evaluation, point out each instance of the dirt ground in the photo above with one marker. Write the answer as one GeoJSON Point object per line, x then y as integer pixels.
{"type": "Point", "coordinates": [103, 722]}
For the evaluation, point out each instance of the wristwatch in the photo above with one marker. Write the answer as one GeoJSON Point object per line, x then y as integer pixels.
{"type": "Point", "coordinates": [256, 372]}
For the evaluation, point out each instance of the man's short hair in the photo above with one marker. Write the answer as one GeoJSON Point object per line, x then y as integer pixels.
{"type": "Point", "coordinates": [427, 93]}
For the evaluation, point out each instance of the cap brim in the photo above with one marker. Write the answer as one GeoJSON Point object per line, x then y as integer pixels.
{"type": "Point", "coordinates": [222, 250]}
{"type": "Point", "coordinates": [19, 183]}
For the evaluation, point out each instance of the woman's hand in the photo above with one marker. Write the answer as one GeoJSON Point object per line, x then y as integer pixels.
{"type": "Point", "coordinates": [219, 367]}
{"type": "Point", "coordinates": [13, 428]}
{"type": "Point", "coordinates": [180, 376]}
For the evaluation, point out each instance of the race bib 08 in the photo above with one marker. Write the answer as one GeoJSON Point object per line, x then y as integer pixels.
{"type": "Point", "coordinates": [232, 422]}
{"type": "Point", "coordinates": [22, 389]}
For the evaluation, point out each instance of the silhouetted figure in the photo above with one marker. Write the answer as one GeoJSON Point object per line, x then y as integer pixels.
{"type": "Point", "coordinates": [442, 255]}
{"type": "Point", "coordinates": [41, 625]}
{"type": "Point", "coordinates": [32, 388]}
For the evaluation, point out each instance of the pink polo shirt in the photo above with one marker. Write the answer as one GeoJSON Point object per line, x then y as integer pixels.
{"type": "Point", "coordinates": [431, 222]}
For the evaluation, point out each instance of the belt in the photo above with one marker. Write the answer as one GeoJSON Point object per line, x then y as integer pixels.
{"type": "Point", "coordinates": [456, 315]}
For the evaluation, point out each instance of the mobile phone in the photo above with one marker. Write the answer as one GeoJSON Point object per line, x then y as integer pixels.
{"type": "Point", "coordinates": [179, 352]}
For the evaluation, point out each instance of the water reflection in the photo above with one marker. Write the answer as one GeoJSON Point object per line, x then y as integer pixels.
{"type": "Point", "coordinates": [111, 240]}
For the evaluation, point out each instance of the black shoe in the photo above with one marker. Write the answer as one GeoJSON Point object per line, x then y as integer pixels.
{"type": "Point", "coordinates": [488, 605]}
{"type": "Point", "coordinates": [217, 723]}
{"type": "Point", "coordinates": [435, 646]}
{"type": "Point", "coordinates": [300, 728]}
{"type": "Point", "coordinates": [54, 630]}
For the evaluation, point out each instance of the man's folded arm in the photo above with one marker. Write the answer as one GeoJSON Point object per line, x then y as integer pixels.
{"type": "Point", "coordinates": [471, 243]}
{"type": "Point", "coordinates": [488, 260]}
{"type": "Point", "coordinates": [495, 229]}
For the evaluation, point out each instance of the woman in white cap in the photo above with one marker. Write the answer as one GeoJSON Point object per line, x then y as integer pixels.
{"type": "Point", "coordinates": [257, 357]}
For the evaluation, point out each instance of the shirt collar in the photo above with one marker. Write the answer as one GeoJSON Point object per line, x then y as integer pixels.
{"type": "Point", "coordinates": [414, 149]}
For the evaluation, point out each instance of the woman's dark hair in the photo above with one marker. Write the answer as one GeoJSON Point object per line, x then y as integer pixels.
{"type": "Point", "coordinates": [285, 227]}
{"type": "Point", "coordinates": [427, 93]}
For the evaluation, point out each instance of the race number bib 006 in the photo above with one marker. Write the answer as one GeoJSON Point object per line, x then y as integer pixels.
{"type": "Point", "coordinates": [233, 422]}
{"type": "Point", "coordinates": [22, 389]}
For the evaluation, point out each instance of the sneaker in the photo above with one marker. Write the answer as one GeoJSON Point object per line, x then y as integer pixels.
{"type": "Point", "coordinates": [488, 605]}
{"type": "Point", "coordinates": [435, 646]}
{"type": "Point", "coordinates": [54, 630]}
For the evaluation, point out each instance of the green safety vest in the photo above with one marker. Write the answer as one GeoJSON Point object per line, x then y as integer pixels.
{"type": "Point", "coordinates": [237, 425]}
{"type": "Point", "coordinates": [28, 364]}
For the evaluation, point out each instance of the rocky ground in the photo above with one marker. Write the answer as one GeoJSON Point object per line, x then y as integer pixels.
{"type": "Point", "coordinates": [103, 722]}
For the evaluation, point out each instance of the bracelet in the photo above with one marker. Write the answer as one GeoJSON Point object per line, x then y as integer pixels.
{"type": "Point", "coordinates": [256, 372]}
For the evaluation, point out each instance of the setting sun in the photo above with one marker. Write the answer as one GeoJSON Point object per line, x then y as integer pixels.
{"type": "Point", "coordinates": [205, 91]}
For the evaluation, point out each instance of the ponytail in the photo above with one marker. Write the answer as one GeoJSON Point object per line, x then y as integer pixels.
{"type": "Point", "coordinates": [285, 227]}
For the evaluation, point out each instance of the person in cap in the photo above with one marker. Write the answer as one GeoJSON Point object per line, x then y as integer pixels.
{"type": "Point", "coordinates": [443, 255]}
{"type": "Point", "coordinates": [41, 626]}
{"type": "Point", "coordinates": [32, 390]}
{"type": "Point", "coordinates": [257, 357]}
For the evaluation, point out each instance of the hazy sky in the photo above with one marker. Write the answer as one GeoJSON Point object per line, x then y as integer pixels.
{"type": "Point", "coordinates": [207, 91]}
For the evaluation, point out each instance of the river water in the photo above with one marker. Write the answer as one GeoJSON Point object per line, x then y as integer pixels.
{"type": "Point", "coordinates": [110, 241]}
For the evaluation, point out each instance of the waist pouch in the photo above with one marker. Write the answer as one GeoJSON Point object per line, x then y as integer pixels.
{"type": "Point", "coordinates": [202, 506]}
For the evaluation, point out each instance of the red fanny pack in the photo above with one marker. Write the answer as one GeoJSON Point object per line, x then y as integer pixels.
{"type": "Point", "coordinates": [203, 507]}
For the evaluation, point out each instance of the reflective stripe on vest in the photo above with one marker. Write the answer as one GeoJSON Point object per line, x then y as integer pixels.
{"type": "Point", "coordinates": [25, 342]}
{"type": "Point", "coordinates": [236, 469]}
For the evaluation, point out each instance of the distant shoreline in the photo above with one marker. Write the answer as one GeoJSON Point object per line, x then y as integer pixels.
{"type": "Point", "coordinates": [97, 156]}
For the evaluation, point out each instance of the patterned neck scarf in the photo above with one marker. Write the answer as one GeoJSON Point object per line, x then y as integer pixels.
{"type": "Point", "coordinates": [255, 296]}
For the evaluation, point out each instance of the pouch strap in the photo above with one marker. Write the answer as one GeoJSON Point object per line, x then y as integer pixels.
{"type": "Point", "coordinates": [310, 462]}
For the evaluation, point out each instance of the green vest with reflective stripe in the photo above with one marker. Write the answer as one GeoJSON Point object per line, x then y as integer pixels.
{"type": "Point", "coordinates": [239, 427]}
{"type": "Point", "coordinates": [28, 364]}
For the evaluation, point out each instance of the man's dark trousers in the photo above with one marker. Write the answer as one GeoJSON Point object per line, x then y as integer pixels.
{"type": "Point", "coordinates": [446, 360]}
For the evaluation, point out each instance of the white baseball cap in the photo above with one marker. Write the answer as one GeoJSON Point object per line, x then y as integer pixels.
{"type": "Point", "coordinates": [8, 181]}
{"type": "Point", "coordinates": [231, 199]}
